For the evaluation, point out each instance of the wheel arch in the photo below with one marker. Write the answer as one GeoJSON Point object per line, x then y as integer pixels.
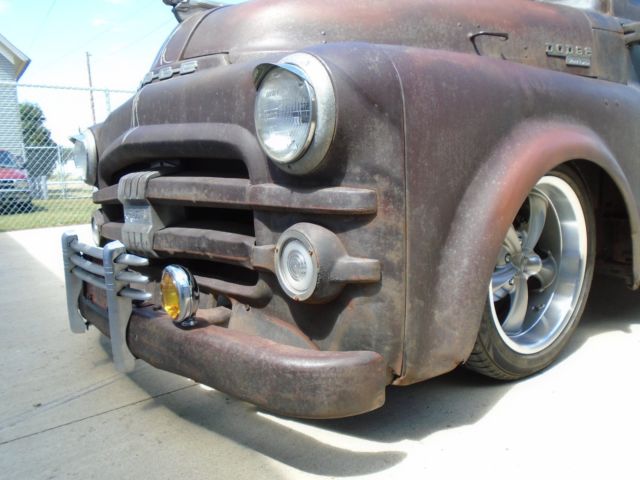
{"type": "Point", "coordinates": [495, 192]}
{"type": "Point", "coordinates": [530, 151]}
{"type": "Point", "coordinates": [616, 245]}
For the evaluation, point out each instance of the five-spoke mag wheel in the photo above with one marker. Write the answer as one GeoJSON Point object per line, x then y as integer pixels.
{"type": "Point", "coordinates": [540, 282]}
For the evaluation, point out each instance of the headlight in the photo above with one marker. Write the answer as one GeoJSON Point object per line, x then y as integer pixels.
{"type": "Point", "coordinates": [296, 266]}
{"type": "Point", "coordinates": [295, 112]}
{"type": "Point", "coordinates": [85, 155]}
{"type": "Point", "coordinates": [285, 115]}
{"type": "Point", "coordinates": [312, 264]}
{"type": "Point", "coordinates": [309, 262]}
{"type": "Point", "coordinates": [179, 292]}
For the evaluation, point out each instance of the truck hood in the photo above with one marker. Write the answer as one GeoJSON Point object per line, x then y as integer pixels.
{"type": "Point", "coordinates": [266, 26]}
{"type": "Point", "coordinates": [12, 174]}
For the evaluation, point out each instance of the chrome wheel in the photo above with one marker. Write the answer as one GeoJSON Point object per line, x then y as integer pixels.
{"type": "Point", "coordinates": [540, 272]}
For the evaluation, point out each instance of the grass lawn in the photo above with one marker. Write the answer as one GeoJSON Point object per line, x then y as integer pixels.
{"type": "Point", "coordinates": [49, 213]}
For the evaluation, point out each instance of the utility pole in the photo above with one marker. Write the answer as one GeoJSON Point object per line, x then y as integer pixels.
{"type": "Point", "coordinates": [93, 104]}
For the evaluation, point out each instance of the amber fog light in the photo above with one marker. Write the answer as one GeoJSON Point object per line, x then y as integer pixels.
{"type": "Point", "coordinates": [179, 292]}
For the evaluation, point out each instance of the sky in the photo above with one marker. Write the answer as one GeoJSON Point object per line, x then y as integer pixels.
{"type": "Point", "coordinates": [122, 37]}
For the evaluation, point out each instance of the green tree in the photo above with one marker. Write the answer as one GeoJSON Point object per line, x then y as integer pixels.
{"type": "Point", "coordinates": [40, 149]}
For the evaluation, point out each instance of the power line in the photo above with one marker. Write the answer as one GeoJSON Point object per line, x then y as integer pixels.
{"type": "Point", "coordinates": [65, 87]}
{"type": "Point", "coordinates": [44, 22]}
{"type": "Point", "coordinates": [137, 40]}
{"type": "Point", "coordinates": [100, 59]}
{"type": "Point", "coordinates": [113, 24]}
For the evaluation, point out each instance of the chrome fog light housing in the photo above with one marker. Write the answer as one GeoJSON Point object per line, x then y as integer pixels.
{"type": "Point", "coordinates": [313, 266]}
{"type": "Point", "coordinates": [296, 266]}
{"type": "Point", "coordinates": [179, 293]}
{"type": "Point", "coordinates": [295, 112]}
{"type": "Point", "coordinates": [85, 155]}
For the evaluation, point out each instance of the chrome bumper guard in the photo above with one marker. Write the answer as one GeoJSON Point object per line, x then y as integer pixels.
{"type": "Point", "coordinates": [115, 277]}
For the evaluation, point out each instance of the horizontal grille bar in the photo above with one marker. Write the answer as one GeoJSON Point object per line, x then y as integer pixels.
{"type": "Point", "coordinates": [257, 294]}
{"type": "Point", "coordinates": [94, 273]}
{"type": "Point", "coordinates": [135, 294]}
{"type": "Point", "coordinates": [90, 250]}
{"type": "Point", "coordinates": [89, 277]}
{"type": "Point", "coordinates": [210, 244]}
{"type": "Point", "coordinates": [87, 265]}
{"type": "Point", "coordinates": [239, 193]}
{"type": "Point", "coordinates": [196, 243]}
{"type": "Point", "coordinates": [131, 277]}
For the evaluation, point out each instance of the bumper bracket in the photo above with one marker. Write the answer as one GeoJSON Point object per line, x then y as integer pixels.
{"type": "Point", "coordinates": [112, 276]}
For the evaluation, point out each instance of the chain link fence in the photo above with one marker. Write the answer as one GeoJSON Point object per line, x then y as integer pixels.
{"type": "Point", "coordinates": [40, 185]}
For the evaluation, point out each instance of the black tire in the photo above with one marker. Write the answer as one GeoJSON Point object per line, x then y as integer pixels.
{"type": "Point", "coordinates": [503, 351]}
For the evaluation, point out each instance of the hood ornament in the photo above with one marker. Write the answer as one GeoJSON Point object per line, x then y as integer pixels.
{"type": "Point", "coordinates": [183, 9]}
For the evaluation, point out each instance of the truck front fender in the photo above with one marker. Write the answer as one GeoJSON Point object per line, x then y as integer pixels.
{"type": "Point", "coordinates": [482, 218]}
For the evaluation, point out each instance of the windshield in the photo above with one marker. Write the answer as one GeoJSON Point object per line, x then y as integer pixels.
{"type": "Point", "coordinates": [7, 160]}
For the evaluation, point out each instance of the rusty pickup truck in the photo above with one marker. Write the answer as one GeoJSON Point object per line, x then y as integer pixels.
{"type": "Point", "coordinates": [306, 202]}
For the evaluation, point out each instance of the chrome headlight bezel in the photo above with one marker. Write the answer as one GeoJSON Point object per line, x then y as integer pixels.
{"type": "Point", "coordinates": [294, 74]}
{"type": "Point", "coordinates": [85, 155]}
{"type": "Point", "coordinates": [323, 116]}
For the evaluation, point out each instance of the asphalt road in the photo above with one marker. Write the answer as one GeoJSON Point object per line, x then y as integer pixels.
{"type": "Point", "coordinates": [66, 413]}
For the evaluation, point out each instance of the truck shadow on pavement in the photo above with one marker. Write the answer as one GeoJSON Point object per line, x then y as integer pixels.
{"type": "Point", "coordinates": [251, 429]}
{"type": "Point", "coordinates": [463, 397]}
{"type": "Point", "coordinates": [611, 307]}
{"type": "Point", "coordinates": [410, 413]}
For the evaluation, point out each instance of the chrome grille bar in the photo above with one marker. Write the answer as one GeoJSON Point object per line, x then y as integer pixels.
{"type": "Point", "coordinates": [114, 277]}
{"type": "Point", "coordinates": [84, 264]}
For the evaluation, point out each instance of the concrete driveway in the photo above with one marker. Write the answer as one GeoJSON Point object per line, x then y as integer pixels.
{"type": "Point", "coordinates": [66, 413]}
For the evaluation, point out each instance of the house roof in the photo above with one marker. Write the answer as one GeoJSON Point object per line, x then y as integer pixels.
{"type": "Point", "coordinates": [15, 56]}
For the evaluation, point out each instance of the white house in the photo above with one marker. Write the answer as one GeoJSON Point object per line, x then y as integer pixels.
{"type": "Point", "coordinates": [13, 63]}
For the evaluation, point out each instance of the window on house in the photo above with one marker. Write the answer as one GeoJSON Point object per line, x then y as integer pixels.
{"type": "Point", "coordinates": [6, 159]}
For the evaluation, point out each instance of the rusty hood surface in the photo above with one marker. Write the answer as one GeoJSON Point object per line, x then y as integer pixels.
{"type": "Point", "coordinates": [512, 30]}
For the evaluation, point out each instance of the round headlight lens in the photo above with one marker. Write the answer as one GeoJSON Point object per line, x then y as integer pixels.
{"type": "Point", "coordinates": [285, 115]}
{"type": "Point", "coordinates": [179, 292]}
{"type": "Point", "coordinates": [295, 112]}
{"type": "Point", "coordinates": [296, 269]}
{"type": "Point", "coordinates": [85, 155]}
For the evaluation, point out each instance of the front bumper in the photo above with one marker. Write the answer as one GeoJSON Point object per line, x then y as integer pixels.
{"type": "Point", "coordinates": [280, 378]}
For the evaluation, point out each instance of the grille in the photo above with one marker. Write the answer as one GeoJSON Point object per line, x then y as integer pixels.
{"type": "Point", "coordinates": [211, 228]}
